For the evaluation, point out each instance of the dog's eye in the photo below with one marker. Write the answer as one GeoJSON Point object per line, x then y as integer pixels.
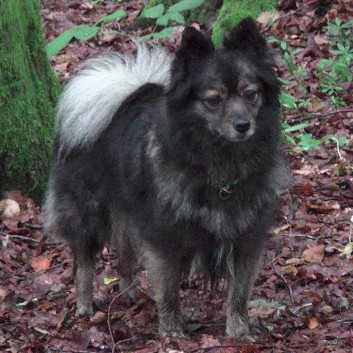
{"type": "Point", "coordinates": [251, 95]}
{"type": "Point", "coordinates": [213, 101]}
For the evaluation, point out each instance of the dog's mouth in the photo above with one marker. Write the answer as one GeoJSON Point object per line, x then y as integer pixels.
{"type": "Point", "coordinates": [235, 136]}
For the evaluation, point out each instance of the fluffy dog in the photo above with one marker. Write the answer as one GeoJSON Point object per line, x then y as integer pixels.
{"type": "Point", "coordinates": [176, 159]}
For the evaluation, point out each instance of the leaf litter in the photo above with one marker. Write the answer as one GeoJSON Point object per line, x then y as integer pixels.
{"type": "Point", "coordinates": [304, 291]}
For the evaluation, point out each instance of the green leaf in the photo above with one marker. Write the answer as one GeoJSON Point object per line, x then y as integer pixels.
{"type": "Point", "coordinates": [288, 100]}
{"type": "Point", "coordinates": [163, 20]}
{"type": "Point", "coordinates": [165, 33]}
{"type": "Point", "coordinates": [60, 42]}
{"type": "Point", "coordinates": [153, 12]}
{"type": "Point", "coordinates": [307, 142]}
{"type": "Point", "coordinates": [85, 32]}
{"type": "Point", "coordinates": [289, 139]}
{"type": "Point", "coordinates": [177, 17]}
{"type": "Point", "coordinates": [297, 127]}
{"type": "Point", "coordinates": [108, 281]}
{"type": "Point", "coordinates": [340, 140]}
{"type": "Point", "coordinates": [185, 5]}
{"type": "Point", "coordinates": [117, 15]}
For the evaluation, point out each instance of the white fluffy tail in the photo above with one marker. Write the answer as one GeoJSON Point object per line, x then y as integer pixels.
{"type": "Point", "coordinates": [92, 97]}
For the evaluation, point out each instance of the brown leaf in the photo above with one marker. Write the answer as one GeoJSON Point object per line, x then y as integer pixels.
{"type": "Point", "coordinates": [40, 263]}
{"type": "Point", "coordinates": [249, 348]}
{"type": "Point", "coordinates": [313, 323]}
{"type": "Point", "coordinates": [315, 254]}
{"type": "Point", "coordinates": [267, 18]}
{"type": "Point", "coordinates": [208, 341]}
{"type": "Point", "coordinates": [324, 208]}
{"type": "Point", "coordinates": [9, 208]}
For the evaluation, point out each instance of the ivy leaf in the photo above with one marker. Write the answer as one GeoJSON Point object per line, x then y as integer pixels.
{"type": "Point", "coordinates": [185, 5]}
{"type": "Point", "coordinates": [163, 20]}
{"type": "Point", "coordinates": [165, 33]}
{"type": "Point", "coordinates": [60, 42]}
{"type": "Point", "coordinates": [153, 12]}
{"type": "Point", "coordinates": [288, 100]}
{"type": "Point", "coordinates": [288, 128]}
{"type": "Point", "coordinates": [177, 17]}
{"type": "Point", "coordinates": [307, 142]}
{"type": "Point", "coordinates": [117, 15]}
{"type": "Point", "coordinates": [85, 32]}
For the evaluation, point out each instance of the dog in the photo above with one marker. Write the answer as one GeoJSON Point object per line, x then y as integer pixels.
{"type": "Point", "coordinates": [176, 160]}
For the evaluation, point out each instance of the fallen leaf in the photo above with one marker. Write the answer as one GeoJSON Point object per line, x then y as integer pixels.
{"type": "Point", "coordinates": [9, 208]}
{"type": "Point", "coordinates": [40, 263]}
{"type": "Point", "coordinates": [208, 341]}
{"type": "Point", "coordinates": [267, 18]}
{"type": "Point", "coordinates": [315, 254]}
{"type": "Point", "coordinates": [313, 323]}
{"type": "Point", "coordinates": [98, 317]}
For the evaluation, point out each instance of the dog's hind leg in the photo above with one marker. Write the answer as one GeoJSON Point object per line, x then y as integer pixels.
{"type": "Point", "coordinates": [123, 239]}
{"type": "Point", "coordinates": [84, 265]}
{"type": "Point", "coordinates": [246, 257]}
{"type": "Point", "coordinates": [164, 272]}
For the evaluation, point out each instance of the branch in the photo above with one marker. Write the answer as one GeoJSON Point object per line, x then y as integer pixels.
{"type": "Point", "coordinates": [21, 237]}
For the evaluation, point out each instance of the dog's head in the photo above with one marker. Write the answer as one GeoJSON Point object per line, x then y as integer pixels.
{"type": "Point", "coordinates": [225, 89]}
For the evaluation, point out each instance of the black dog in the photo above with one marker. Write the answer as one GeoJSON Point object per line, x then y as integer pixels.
{"type": "Point", "coordinates": [178, 159]}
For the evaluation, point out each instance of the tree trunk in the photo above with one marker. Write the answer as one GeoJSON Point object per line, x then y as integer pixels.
{"type": "Point", "coordinates": [28, 94]}
{"type": "Point", "coordinates": [232, 11]}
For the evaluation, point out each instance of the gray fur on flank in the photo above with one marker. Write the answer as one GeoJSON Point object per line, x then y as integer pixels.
{"type": "Point", "coordinates": [92, 97]}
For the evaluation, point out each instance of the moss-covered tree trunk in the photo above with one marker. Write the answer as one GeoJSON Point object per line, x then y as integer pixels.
{"type": "Point", "coordinates": [232, 11]}
{"type": "Point", "coordinates": [28, 94]}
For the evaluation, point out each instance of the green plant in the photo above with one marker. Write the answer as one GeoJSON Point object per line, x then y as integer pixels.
{"type": "Point", "coordinates": [340, 32]}
{"type": "Point", "coordinates": [233, 11]}
{"type": "Point", "coordinates": [163, 17]}
{"type": "Point", "coordinates": [333, 71]}
{"type": "Point", "coordinates": [287, 129]}
{"type": "Point", "coordinates": [81, 32]}
{"type": "Point", "coordinates": [305, 141]}
{"type": "Point", "coordinates": [288, 56]}
{"type": "Point", "coordinates": [290, 102]}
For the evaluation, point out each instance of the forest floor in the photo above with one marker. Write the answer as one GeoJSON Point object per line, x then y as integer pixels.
{"type": "Point", "coordinates": [304, 292]}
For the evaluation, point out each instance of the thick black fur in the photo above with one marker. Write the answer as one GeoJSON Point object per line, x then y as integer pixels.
{"type": "Point", "coordinates": [154, 178]}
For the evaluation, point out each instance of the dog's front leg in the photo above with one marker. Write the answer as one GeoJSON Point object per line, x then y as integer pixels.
{"type": "Point", "coordinates": [164, 272]}
{"type": "Point", "coordinates": [246, 257]}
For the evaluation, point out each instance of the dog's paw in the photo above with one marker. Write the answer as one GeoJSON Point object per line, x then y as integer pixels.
{"type": "Point", "coordinates": [244, 327]}
{"type": "Point", "coordinates": [171, 329]}
{"type": "Point", "coordinates": [84, 309]}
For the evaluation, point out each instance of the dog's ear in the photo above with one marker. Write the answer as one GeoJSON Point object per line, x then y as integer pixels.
{"type": "Point", "coordinates": [194, 46]}
{"type": "Point", "coordinates": [246, 36]}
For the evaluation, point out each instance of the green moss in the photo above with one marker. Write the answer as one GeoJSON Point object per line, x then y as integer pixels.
{"type": "Point", "coordinates": [28, 94]}
{"type": "Point", "coordinates": [232, 11]}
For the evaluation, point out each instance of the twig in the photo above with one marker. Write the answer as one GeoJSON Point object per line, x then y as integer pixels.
{"type": "Point", "coordinates": [32, 226]}
{"type": "Point", "coordinates": [322, 115]}
{"type": "Point", "coordinates": [109, 313]}
{"type": "Point", "coordinates": [337, 111]}
{"type": "Point", "coordinates": [286, 283]}
{"type": "Point", "coordinates": [299, 235]}
{"type": "Point", "coordinates": [21, 237]}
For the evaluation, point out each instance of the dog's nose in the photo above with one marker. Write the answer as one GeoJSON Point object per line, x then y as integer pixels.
{"type": "Point", "coordinates": [242, 126]}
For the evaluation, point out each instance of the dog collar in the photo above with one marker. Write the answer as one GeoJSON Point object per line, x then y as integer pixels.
{"type": "Point", "coordinates": [227, 191]}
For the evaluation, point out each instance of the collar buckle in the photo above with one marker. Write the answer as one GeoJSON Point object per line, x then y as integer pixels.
{"type": "Point", "coordinates": [225, 193]}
